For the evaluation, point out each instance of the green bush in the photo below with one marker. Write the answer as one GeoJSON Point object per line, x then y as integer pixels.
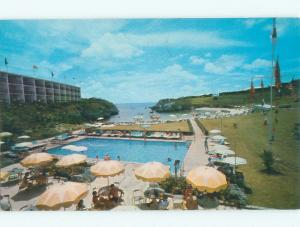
{"type": "Point", "coordinates": [234, 194]}
{"type": "Point", "coordinates": [174, 185]}
{"type": "Point", "coordinates": [268, 160]}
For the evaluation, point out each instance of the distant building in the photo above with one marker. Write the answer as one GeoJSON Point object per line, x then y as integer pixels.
{"type": "Point", "coordinates": [25, 89]}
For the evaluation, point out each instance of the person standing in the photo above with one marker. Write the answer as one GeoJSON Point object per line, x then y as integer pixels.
{"type": "Point", "coordinates": [206, 144]}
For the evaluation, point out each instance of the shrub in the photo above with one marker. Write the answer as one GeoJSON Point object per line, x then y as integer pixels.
{"type": "Point", "coordinates": [174, 185]}
{"type": "Point", "coordinates": [268, 160]}
{"type": "Point", "coordinates": [236, 195]}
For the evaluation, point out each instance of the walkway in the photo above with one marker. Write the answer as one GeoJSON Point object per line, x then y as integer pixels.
{"type": "Point", "coordinates": [196, 155]}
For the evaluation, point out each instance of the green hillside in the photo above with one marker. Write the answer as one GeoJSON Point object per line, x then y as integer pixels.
{"type": "Point", "coordinates": [230, 99]}
{"type": "Point", "coordinates": [41, 120]}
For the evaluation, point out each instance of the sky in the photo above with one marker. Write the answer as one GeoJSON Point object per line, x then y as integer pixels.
{"type": "Point", "coordinates": [144, 60]}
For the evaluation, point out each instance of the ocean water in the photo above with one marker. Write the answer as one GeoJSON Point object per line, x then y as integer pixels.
{"type": "Point", "coordinates": [130, 150]}
{"type": "Point", "coordinates": [127, 111]}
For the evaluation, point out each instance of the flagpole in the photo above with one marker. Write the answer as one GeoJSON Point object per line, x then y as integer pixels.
{"type": "Point", "coordinates": [274, 36]}
{"type": "Point", "coordinates": [6, 67]}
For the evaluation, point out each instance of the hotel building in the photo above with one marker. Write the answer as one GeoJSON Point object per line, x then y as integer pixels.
{"type": "Point", "coordinates": [25, 89]}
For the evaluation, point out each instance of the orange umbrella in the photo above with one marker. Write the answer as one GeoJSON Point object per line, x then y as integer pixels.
{"type": "Point", "coordinates": [152, 172]}
{"type": "Point", "coordinates": [37, 159]}
{"type": "Point", "coordinates": [206, 179]}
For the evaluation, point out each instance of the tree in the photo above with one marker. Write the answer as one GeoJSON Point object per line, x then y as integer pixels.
{"type": "Point", "coordinates": [268, 160]}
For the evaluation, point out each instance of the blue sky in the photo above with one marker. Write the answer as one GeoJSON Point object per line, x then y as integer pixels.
{"type": "Point", "coordinates": [148, 59]}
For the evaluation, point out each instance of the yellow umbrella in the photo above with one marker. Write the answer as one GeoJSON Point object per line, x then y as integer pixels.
{"type": "Point", "coordinates": [70, 160]}
{"type": "Point", "coordinates": [107, 169]}
{"type": "Point", "coordinates": [36, 159]}
{"type": "Point", "coordinates": [3, 175]}
{"type": "Point", "coordinates": [152, 172]}
{"type": "Point", "coordinates": [206, 179]}
{"type": "Point", "coordinates": [62, 195]}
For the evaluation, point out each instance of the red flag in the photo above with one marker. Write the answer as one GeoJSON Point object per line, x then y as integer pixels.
{"type": "Point", "coordinates": [277, 75]}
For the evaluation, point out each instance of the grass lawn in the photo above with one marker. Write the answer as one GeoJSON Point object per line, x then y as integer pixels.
{"type": "Point", "coordinates": [249, 140]}
{"type": "Point", "coordinates": [163, 127]}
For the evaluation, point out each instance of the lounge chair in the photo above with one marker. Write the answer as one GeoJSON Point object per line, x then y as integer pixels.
{"type": "Point", "coordinates": [137, 197]}
{"type": "Point", "coordinates": [178, 201]}
{"type": "Point", "coordinates": [13, 178]}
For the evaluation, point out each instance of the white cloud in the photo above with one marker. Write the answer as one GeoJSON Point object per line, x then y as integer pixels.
{"type": "Point", "coordinates": [251, 22]}
{"type": "Point", "coordinates": [208, 55]}
{"type": "Point", "coordinates": [283, 24]}
{"type": "Point", "coordinates": [109, 45]}
{"type": "Point", "coordinates": [224, 64]}
{"type": "Point", "coordinates": [125, 45]}
{"type": "Point", "coordinates": [257, 64]}
{"type": "Point", "coordinates": [197, 60]}
{"type": "Point", "coordinates": [171, 81]}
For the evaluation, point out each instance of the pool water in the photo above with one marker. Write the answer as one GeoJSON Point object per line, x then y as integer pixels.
{"type": "Point", "coordinates": [130, 150]}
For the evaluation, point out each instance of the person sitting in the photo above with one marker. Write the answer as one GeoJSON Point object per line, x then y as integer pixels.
{"type": "Point", "coordinates": [98, 201]}
{"type": "Point", "coordinates": [163, 202]}
{"type": "Point", "coordinates": [80, 205]}
{"type": "Point", "coordinates": [191, 203]}
{"type": "Point", "coordinates": [114, 193]}
{"type": "Point", "coordinates": [153, 202]}
{"type": "Point", "coordinates": [187, 192]}
{"type": "Point", "coordinates": [107, 157]}
{"type": "Point", "coordinates": [25, 181]}
{"type": "Point", "coordinates": [42, 179]}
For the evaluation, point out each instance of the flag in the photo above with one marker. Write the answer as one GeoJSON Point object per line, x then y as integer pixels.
{"type": "Point", "coordinates": [277, 75]}
{"type": "Point", "coordinates": [274, 31]}
{"type": "Point", "coordinates": [52, 74]}
{"type": "Point", "coordinates": [34, 67]}
{"type": "Point", "coordinates": [262, 84]}
{"type": "Point", "coordinates": [5, 61]}
{"type": "Point", "coordinates": [252, 90]}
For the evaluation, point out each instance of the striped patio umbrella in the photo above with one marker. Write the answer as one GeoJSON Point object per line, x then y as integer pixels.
{"type": "Point", "coordinates": [206, 179]}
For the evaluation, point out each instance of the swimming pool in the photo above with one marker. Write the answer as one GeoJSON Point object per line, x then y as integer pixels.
{"type": "Point", "coordinates": [130, 150]}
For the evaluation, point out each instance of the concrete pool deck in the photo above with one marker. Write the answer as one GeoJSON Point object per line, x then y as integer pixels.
{"type": "Point", "coordinates": [196, 155]}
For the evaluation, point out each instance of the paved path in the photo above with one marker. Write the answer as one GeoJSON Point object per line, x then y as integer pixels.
{"type": "Point", "coordinates": [196, 155]}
